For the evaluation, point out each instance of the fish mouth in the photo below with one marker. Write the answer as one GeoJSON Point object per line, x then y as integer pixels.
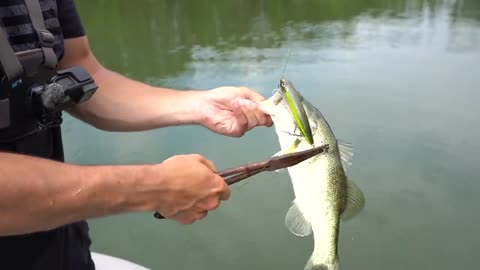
{"type": "Point", "coordinates": [277, 97]}
{"type": "Point", "coordinates": [279, 94]}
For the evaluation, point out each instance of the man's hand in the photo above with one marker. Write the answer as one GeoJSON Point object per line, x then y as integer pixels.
{"type": "Point", "coordinates": [232, 111]}
{"type": "Point", "coordinates": [188, 188]}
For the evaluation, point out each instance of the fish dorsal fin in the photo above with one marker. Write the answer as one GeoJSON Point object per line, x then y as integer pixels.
{"type": "Point", "coordinates": [296, 222]}
{"type": "Point", "coordinates": [355, 201]}
{"type": "Point", "coordinates": [346, 154]}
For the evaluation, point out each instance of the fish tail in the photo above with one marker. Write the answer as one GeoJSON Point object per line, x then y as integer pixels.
{"type": "Point", "coordinates": [313, 265]}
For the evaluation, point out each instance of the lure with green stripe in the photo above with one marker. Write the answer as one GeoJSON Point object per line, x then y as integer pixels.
{"type": "Point", "coordinates": [294, 101]}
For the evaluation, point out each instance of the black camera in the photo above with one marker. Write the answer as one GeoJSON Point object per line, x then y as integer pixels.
{"type": "Point", "coordinates": [66, 88]}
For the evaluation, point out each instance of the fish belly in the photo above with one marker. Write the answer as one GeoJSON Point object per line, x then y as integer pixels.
{"type": "Point", "coordinates": [312, 185]}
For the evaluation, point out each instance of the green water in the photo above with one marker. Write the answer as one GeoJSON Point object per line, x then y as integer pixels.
{"type": "Point", "coordinates": [398, 79]}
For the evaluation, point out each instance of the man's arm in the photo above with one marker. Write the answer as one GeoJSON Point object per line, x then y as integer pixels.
{"type": "Point", "coordinates": [39, 194]}
{"type": "Point", "coordinates": [122, 104]}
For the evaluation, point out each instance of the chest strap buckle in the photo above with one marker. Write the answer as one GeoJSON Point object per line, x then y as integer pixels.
{"type": "Point", "coordinates": [45, 38]}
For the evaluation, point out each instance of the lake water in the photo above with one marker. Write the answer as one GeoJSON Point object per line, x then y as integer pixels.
{"type": "Point", "coordinates": [398, 79]}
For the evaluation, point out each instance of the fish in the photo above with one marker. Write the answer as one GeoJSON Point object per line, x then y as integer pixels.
{"type": "Point", "coordinates": [323, 194]}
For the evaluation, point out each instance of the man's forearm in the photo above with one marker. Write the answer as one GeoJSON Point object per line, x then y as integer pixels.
{"type": "Point", "coordinates": [122, 104]}
{"type": "Point", "coordinates": [38, 194]}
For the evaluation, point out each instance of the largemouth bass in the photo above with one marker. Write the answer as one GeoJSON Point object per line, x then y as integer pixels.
{"type": "Point", "coordinates": [323, 194]}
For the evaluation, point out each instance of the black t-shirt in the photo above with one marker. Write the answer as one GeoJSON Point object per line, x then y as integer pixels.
{"type": "Point", "coordinates": [66, 247]}
{"type": "Point", "coordinates": [61, 19]}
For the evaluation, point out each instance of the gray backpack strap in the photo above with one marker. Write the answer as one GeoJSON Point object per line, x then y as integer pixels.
{"type": "Point", "coordinates": [8, 60]}
{"type": "Point", "coordinates": [45, 38]}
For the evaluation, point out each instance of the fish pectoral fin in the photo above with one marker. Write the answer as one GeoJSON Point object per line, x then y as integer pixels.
{"type": "Point", "coordinates": [296, 222]}
{"type": "Point", "coordinates": [290, 149]}
{"type": "Point", "coordinates": [346, 154]}
{"type": "Point", "coordinates": [294, 146]}
{"type": "Point", "coordinates": [355, 201]}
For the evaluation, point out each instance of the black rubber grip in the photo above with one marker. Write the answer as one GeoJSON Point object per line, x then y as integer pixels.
{"type": "Point", "coordinates": [158, 215]}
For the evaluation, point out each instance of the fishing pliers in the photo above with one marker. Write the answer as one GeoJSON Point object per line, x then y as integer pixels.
{"type": "Point", "coordinates": [239, 173]}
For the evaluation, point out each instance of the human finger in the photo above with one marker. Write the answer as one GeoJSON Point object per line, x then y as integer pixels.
{"type": "Point", "coordinates": [206, 162]}
{"type": "Point", "coordinates": [202, 215]}
{"type": "Point", "coordinates": [246, 106]}
{"type": "Point", "coordinates": [240, 119]}
{"type": "Point", "coordinates": [225, 194]}
{"type": "Point", "coordinates": [187, 217]}
{"type": "Point", "coordinates": [251, 94]}
{"type": "Point", "coordinates": [262, 119]}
